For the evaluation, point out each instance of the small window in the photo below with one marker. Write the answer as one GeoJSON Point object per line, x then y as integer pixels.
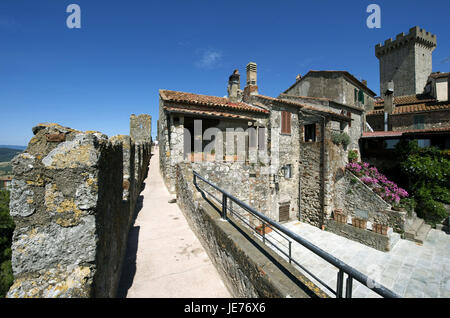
{"type": "Point", "coordinates": [423, 143]}
{"type": "Point", "coordinates": [285, 122]}
{"type": "Point", "coordinates": [419, 122]}
{"type": "Point", "coordinates": [252, 137]}
{"type": "Point", "coordinates": [310, 133]}
{"type": "Point", "coordinates": [261, 138]}
{"type": "Point", "coordinates": [361, 97]}
{"type": "Point", "coordinates": [349, 115]}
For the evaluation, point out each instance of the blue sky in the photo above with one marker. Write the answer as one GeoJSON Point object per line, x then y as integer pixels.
{"type": "Point", "coordinates": [93, 78]}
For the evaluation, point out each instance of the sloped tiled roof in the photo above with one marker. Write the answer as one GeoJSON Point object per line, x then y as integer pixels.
{"type": "Point", "coordinates": [217, 103]}
{"type": "Point", "coordinates": [408, 100]}
{"type": "Point", "coordinates": [378, 134]}
{"type": "Point", "coordinates": [439, 75]}
{"type": "Point", "coordinates": [344, 73]}
{"type": "Point", "coordinates": [305, 107]}
{"type": "Point", "coordinates": [414, 108]}
{"type": "Point", "coordinates": [206, 112]}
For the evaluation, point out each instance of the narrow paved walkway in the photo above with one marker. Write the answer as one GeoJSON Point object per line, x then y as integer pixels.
{"type": "Point", "coordinates": [164, 257]}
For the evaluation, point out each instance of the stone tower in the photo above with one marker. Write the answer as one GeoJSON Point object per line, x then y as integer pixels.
{"type": "Point", "coordinates": [407, 61]}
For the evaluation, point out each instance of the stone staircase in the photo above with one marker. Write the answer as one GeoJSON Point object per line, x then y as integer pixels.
{"type": "Point", "coordinates": [416, 229]}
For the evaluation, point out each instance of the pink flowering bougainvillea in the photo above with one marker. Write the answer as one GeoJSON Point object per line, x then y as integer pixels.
{"type": "Point", "coordinates": [378, 182]}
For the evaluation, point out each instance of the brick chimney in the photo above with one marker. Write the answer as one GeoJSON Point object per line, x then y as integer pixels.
{"type": "Point", "coordinates": [364, 82]}
{"type": "Point", "coordinates": [252, 87]}
{"type": "Point", "coordinates": [234, 87]}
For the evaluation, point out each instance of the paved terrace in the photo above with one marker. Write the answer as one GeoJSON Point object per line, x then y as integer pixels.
{"type": "Point", "coordinates": [164, 257]}
{"type": "Point", "coordinates": [410, 270]}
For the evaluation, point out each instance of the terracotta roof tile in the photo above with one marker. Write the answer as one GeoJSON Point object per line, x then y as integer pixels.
{"type": "Point", "coordinates": [304, 106]}
{"type": "Point", "coordinates": [439, 75]}
{"type": "Point", "coordinates": [205, 112]}
{"type": "Point", "coordinates": [399, 133]}
{"type": "Point", "coordinates": [408, 100]}
{"type": "Point", "coordinates": [209, 101]}
{"type": "Point", "coordinates": [414, 108]}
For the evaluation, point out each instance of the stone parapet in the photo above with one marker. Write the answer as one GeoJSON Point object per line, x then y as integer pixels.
{"type": "Point", "coordinates": [249, 269]}
{"type": "Point", "coordinates": [415, 35]}
{"type": "Point", "coordinates": [72, 200]}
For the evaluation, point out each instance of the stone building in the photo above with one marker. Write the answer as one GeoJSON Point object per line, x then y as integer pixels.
{"type": "Point", "coordinates": [407, 61]}
{"type": "Point", "coordinates": [415, 102]}
{"type": "Point", "coordinates": [337, 91]}
{"type": "Point", "coordinates": [286, 165]}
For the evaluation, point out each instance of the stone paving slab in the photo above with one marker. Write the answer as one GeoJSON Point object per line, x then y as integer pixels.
{"type": "Point", "coordinates": [410, 269]}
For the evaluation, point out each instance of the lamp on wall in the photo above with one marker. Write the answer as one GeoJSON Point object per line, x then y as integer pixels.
{"type": "Point", "coordinates": [286, 171]}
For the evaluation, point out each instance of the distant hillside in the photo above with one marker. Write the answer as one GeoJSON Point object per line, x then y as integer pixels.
{"type": "Point", "coordinates": [6, 154]}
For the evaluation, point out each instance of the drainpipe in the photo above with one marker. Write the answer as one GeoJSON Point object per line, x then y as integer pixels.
{"type": "Point", "coordinates": [324, 168]}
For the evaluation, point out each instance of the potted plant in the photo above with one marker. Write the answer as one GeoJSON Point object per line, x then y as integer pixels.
{"type": "Point", "coordinates": [267, 229]}
{"type": "Point", "coordinates": [359, 223]}
{"type": "Point", "coordinates": [353, 156]}
{"type": "Point", "coordinates": [380, 228]}
{"type": "Point", "coordinates": [339, 216]}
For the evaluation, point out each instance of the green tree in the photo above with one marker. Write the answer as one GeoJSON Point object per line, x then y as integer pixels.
{"type": "Point", "coordinates": [6, 232]}
{"type": "Point", "coordinates": [428, 173]}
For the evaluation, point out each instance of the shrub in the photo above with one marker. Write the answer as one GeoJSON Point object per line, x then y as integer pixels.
{"type": "Point", "coordinates": [340, 139]}
{"type": "Point", "coordinates": [428, 173]}
{"type": "Point", "coordinates": [387, 189]}
{"type": "Point", "coordinates": [352, 155]}
{"type": "Point", "coordinates": [6, 231]}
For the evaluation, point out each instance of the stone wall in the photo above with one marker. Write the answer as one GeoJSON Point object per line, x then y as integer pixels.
{"type": "Point", "coordinates": [249, 269]}
{"type": "Point", "coordinates": [352, 195]}
{"type": "Point", "coordinates": [72, 201]}
{"type": "Point", "coordinates": [377, 241]}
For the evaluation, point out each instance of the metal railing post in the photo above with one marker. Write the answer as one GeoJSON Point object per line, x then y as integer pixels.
{"type": "Point", "coordinates": [340, 283]}
{"type": "Point", "coordinates": [264, 232]}
{"type": "Point", "coordinates": [349, 287]}
{"type": "Point", "coordinates": [224, 206]}
{"type": "Point", "coordinates": [290, 254]}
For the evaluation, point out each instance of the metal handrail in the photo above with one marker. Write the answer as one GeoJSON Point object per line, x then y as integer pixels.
{"type": "Point", "coordinates": [343, 267]}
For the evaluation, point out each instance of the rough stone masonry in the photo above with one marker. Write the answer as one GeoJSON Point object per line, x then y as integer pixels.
{"type": "Point", "coordinates": [72, 199]}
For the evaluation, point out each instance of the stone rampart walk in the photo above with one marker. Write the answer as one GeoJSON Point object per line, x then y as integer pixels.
{"type": "Point", "coordinates": [164, 257]}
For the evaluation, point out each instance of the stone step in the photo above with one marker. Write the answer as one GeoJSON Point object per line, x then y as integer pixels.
{"type": "Point", "coordinates": [422, 233]}
{"type": "Point", "coordinates": [393, 239]}
{"type": "Point", "coordinates": [412, 227]}
{"type": "Point", "coordinates": [415, 225]}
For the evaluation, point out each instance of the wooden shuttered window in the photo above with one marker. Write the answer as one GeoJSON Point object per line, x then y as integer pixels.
{"type": "Point", "coordinates": [285, 122]}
